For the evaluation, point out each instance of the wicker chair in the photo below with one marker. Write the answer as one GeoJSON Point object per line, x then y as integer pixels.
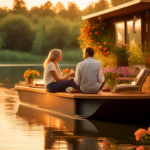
{"type": "Point", "coordinates": [137, 83]}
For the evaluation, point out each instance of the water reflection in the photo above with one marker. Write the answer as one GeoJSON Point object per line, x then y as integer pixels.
{"type": "Point", "coordinates": [27, 128]}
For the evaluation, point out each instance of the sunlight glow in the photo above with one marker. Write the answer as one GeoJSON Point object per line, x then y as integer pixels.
{"type": "Point", "coordinates": [29, 3]}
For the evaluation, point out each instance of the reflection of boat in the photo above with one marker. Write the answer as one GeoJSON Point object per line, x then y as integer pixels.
{"type": "Point", "coordinates": [104, 106]}
{"type": "Point", "coordinates": [63, 132]}
{"type": "Point", "coordinates": [67, 126]}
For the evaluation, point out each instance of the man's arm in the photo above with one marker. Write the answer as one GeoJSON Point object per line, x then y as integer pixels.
{"type": "Point", "coordinates": [77, 78]}
{"type": "Point", "coordinates": [101, 77]}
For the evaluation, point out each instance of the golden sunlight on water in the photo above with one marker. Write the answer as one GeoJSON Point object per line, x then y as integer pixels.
{"type": "Point", "coordinates": [15, 134]}
{"type": "Point", "coordinates": [23, 127]}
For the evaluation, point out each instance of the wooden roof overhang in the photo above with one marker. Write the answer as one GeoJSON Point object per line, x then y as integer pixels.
{"type": "Point", "coordinates": [121, 10]}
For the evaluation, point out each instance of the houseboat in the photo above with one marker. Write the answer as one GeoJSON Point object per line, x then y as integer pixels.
{"type": "Point", "coordinates": [129, 23]}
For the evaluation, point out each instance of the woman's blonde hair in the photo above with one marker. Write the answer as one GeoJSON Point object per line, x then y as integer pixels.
{"type": "Point", "coordinates": [53, 54]}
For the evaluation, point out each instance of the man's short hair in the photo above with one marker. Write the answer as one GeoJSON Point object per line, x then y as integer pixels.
{"type": "Point", "coordinates": [90, 51]}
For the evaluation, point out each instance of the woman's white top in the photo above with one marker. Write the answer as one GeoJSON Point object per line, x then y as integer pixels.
{"type": "Point", "coordinates": [48, 78]}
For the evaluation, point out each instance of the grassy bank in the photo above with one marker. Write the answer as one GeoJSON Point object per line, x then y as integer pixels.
{"type": "Point", "coordinates": [15, 57]}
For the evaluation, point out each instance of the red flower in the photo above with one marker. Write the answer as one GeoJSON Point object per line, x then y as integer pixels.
{"type": "Point", "coordinates": [103, 28]}
{"type": "Point", "coordinates": [91, 40]}
{"type": "Point", "coordinates": [104, 49]}
{"type": "Point", "coordinates": [96, 32]}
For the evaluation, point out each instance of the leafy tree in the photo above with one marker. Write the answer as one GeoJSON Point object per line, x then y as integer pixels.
{"type": "Point", "coordinates": [47, 5]}
{"type": "Point", "coordinates": [35, 10]}
{"type": "Point", "coordinates": [118, 2]}
{"type": "Point", "coordinates": [55, 33]}
{"type": "Point", "coordinates": [101, 5]}
{"type": "Point", "coordinates": [4, 12]}
{"type": "Point", "coordinates": [73, 10]}
{"type": "Point", "coordinates": [63, 13]}
{"type": "Point", "coordinates": [18, 32]}
{"type": "Point", "coordinates": [89, 9]}
{"type": "Point", "coordinates": [59, 6]}
{"type": "Point", "coordinates": [19, 7]}
{"type": "Point", "coordinates": [46, 9]}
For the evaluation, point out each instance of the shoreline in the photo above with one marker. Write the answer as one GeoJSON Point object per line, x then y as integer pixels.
{"type": "Point", "coordinates": [18, 65]}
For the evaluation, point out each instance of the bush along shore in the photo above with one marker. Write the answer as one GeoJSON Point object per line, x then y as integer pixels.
{"type": "Point", "coordinates": [16, 57]}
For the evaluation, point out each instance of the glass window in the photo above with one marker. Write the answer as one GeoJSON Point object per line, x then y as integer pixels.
{"type": "Point", "coordinates": [119, 33]}
{"type": "Point", "coordinates": [134, 38]}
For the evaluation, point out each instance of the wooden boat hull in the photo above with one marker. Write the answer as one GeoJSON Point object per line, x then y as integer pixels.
{"type": "Point", "coordinates": [124, 108]}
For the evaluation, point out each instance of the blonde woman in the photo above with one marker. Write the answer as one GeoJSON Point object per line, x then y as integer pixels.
{"type": "Point", "coordinates": [54, 80]}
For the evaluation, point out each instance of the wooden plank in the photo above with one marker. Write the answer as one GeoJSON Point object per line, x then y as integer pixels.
{"type": "Point", "coordinates": [100, 95]}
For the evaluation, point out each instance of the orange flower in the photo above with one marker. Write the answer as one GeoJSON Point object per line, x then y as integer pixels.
{"type": "Point", "coordinates": [67, 70]}
{"type": "Point", "coordinates": [98, 43]}
{"type": "Point", "coordinates": [138, 133]}
{"type": "Point", "coordinates": [31, 74]}
{"type": "Point", "coordinates": [100, 47]}
{"type": "Point", "coordinates": [140, 148]}
{"type": "Point", "coordinates": [104, 43]}
{"type": "Point", "coordinates": [103, 28]}
{"type": "Point", "coordinates": [91, 40]}
{"type": "Point", "coordinates": [109, 44]}
{"type": "Point", "coordinates": [106, 53]}
{"type": "Point", "coordinates": [106, 144]}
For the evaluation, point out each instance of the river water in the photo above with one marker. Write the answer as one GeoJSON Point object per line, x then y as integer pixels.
{"type": "Point", "coordinates": [23, 128]}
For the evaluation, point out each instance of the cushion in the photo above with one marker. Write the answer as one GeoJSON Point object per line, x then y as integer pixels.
{"type": "Point", "coordinates": [125, 87]}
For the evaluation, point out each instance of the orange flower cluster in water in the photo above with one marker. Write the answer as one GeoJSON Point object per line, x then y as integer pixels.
{"type": "Point", "coordinates": [31, 73]}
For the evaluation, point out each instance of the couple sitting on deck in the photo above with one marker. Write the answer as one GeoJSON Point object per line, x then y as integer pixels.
{"type": "Point", "coordinates": [89, 77]}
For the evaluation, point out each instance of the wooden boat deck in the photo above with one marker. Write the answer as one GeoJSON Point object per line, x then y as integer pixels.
{"type": "Point", "coordinates": [99, 95]}
{"type": "Point", "coordinates": [105, 106]}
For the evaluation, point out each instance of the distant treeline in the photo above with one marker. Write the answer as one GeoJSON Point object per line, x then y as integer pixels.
{"type": "Point", "coordinates": [46, 27]}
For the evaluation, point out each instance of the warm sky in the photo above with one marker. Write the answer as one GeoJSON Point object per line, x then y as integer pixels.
{"type": "Point", "coordinates": [30, 3]}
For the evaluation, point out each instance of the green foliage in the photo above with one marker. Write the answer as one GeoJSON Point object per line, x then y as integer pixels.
{"type": "Point", "coordinates": [19, 7]}
{"type": "Point", "coordinates": [3, 12]}
{"type": "Point", "coordinates": [55, 33]}
{"type": "Point", "coordinates": [74, 55]}
{"type": "Point", "coordinates": [7, 56]}
{"type": "Point", "coordinates": [136, 57]}
{"type": "Point", "coordinates": [18, 31]}
{"type": "Point", "coordinates": [110, 78]}
{"type": "Point", "coordinates": [121, 54]}
{"type": "Point", "coordinates": [19, 57]}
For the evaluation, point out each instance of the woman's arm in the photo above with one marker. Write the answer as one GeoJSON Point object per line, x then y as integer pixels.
{"type": "Point", "coordinates": [55, 76]}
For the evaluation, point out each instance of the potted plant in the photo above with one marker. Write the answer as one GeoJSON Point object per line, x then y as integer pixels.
{"type": "Point", "coordinates": [112, 73]}
{"type": "Point", "coordinates": [29, 75]}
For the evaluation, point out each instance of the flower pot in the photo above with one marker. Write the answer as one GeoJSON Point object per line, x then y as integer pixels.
{"type": "Point", "coordinates": [29, 80]}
